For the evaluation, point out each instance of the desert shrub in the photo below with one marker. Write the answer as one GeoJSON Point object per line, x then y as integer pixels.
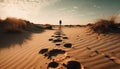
{"type": "Point", "coordinates": [12, 25]}
{"type": "Point", "coordinates": [78, 25]}
{"type": "Point", "coordinates": [89, 24]}
{"type": "Point", "coordinates": [69, 26]}
{"type": "Point", "coordinates": [104, 25]}
{"type": "Point", "coordinates": [18, 25]}
{"type": "Point", "coordinates": [47, 26]}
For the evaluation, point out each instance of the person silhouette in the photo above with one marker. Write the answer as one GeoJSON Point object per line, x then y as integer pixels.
{"type": "Point", "coordinates": [60, 22]}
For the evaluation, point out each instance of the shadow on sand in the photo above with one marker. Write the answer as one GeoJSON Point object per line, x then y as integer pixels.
{"type": "Point", "coordinates": [11, 39]}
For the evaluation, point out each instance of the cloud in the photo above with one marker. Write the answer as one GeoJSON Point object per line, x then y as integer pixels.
{"type": "Point", "coordinates": [31, 3]}
{"type": "Point", "coordinates": [75, 7]}
{"type": "Point", "coordinates": [62, 9]}
{"type": "Point", "coordinates": [81, 15]}
{"type": "Point", "coordinates": [95, 6]}
{"type": "Point", "coordinates": [29, 9]}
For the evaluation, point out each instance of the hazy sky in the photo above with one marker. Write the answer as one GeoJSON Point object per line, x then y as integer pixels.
{"type": "Point", "coordinates": [51, 11]}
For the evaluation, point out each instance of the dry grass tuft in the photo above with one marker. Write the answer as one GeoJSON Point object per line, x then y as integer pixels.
{"type": "Point", "coordinates": [105, 26]}
{"type": "Point", "coordinates": [47, 26]}
{"type": "Point", "coordinates": [16, 25]}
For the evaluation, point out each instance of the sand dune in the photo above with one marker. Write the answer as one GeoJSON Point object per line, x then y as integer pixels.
{"type": "Point", "coordinates": [93, 51]}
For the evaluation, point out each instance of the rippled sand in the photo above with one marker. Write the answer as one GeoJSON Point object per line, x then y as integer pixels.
{"type": "Point", "coordinates": [93, 51]}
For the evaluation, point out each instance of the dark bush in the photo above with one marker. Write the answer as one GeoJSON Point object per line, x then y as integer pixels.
{"type": "Point", "coordinates": [105, 26]}
{"type": "Point", "coordinates": [14, 25]}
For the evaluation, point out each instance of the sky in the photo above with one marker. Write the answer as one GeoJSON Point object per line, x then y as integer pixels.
{"type": "Point", "coordinates": [51, 11]}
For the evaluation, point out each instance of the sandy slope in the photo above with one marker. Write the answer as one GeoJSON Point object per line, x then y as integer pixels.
{"type": "Point", "coordinates": [93, 51]}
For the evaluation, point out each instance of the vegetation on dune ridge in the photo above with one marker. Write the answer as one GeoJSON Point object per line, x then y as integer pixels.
{"type": "Point", "coordinates": [47, 26]}
{"type": "Point", "coordinates": [17, 25]}
{"type": "Point", "coordinates": [106, 25]}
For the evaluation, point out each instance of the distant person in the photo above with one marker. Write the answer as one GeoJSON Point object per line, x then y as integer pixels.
{"type": "Point", "coordinates": [60, 22]}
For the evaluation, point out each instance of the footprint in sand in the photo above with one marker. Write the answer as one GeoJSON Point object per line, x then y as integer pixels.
{"type": "Point", "coordinates": [51, 39]}
{"type": "Point", "coordinates": [65, 37]}
{"type": "Point", "coordinates": [57, 40]}
{"type": "Point", "coordinates": [116, 60]}
{"type": "Point", "coordinates": [52, 36]}
{"type": "Point", "coordinates": [72, 64]}
{"type": "Point", "coordinates": [88, 48]}
{"type": "Point", "coordinates": [52, 64]}
{"type": "Point", "coordinates": [57, 33]}
{"type": "Point", "coordinates": [68, 45]}
{"type": "Point", "coordinates": [42, 51]}
{"type": "Point", "coordinates": [57, 44]}
{"type": "Point", "coordinates": [54, 52]}
{"type": "Point", "coordinates": [112, 58]}
{"type": "Point", "coordinates": [109, 56]}
{"type": "Point", "coordinates": [57, 36]}
{"type": "Point", "coordinates": [66, 64]}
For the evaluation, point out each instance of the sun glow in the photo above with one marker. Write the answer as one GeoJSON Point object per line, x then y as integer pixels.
{"type": "Point", "coordinates": [15, 11]}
